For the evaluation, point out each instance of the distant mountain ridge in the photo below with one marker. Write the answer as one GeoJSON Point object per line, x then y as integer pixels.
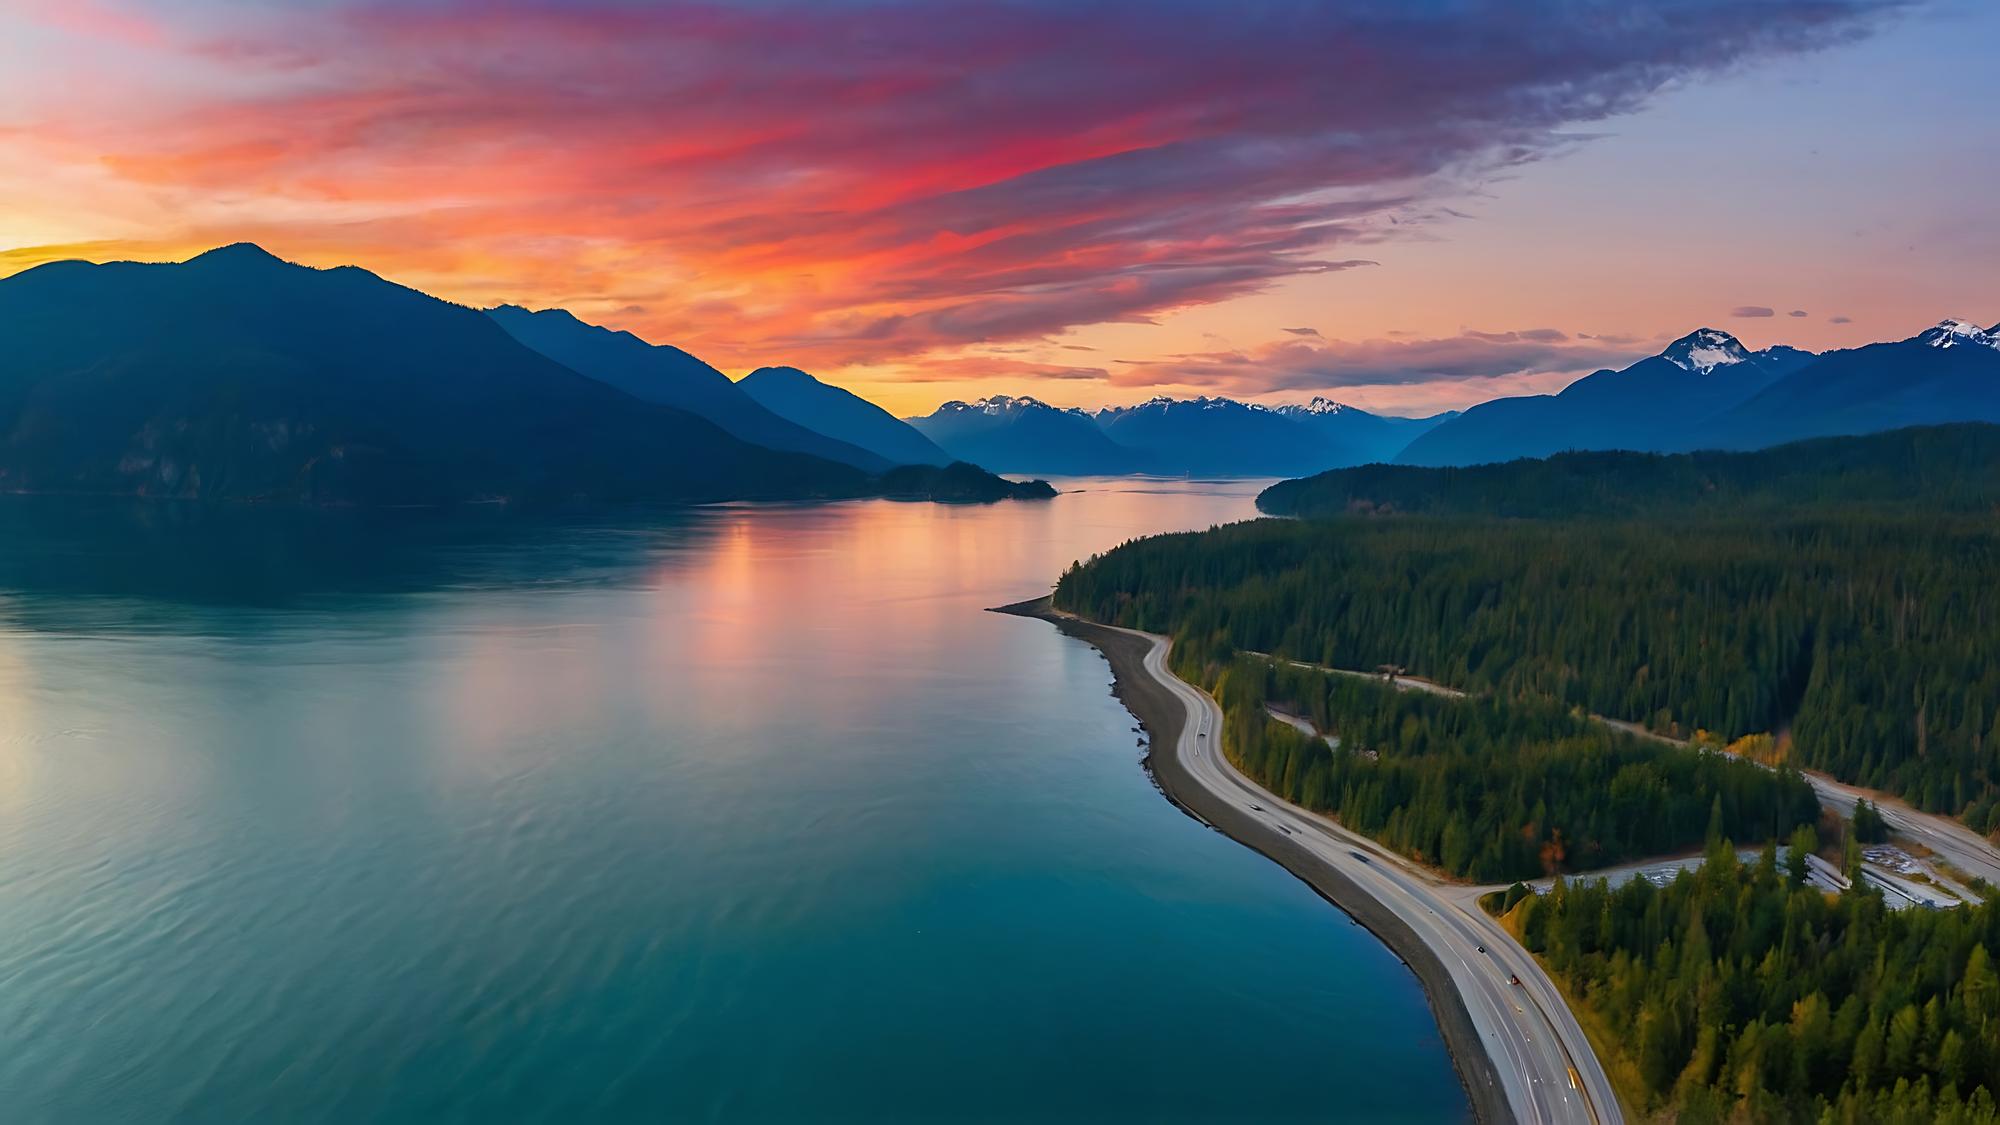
{"type": "Point", "coordinates": [1204, 436]}
{"type": "Point", "coordinates": [1222, 436]}
{"type": "Point", "coordinates": [1207, 435]}
{"type": "Point", "coordinates": [1706, 391]}
{"type": "Point", "coordinates": [1029, 436]}
{"type": "Point", "coordinates": [1649, 406]}
{"type": "Point", "coordinates": [1944, 374]}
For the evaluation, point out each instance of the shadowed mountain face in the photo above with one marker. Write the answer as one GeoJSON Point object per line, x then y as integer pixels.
{"type": "Point", "coordinates": [235, 375]}
{"type": "Point", "coordinates": [664, 374]}
{"type": "Point", "coordinates": [838, 413]}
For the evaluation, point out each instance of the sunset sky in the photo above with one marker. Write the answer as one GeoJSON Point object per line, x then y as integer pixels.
{"type": "Point", "coordinates": [1408, 206]}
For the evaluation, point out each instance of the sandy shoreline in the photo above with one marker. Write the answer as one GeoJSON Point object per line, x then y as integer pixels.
{"type": "Point", "coordinates": [1162, 716]}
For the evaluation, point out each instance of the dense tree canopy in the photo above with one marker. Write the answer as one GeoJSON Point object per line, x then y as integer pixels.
{"type": "Point", "coordinates": [1741, 994]}
{"type": "Point", "coordinates": [1931, 468]}
{"type": "Point", "coordinates": [1872, 640]}
{"type": "Point", "coordinates": [1491, 789]}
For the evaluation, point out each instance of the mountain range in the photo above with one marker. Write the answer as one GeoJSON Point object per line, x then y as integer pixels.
{"type": "Point", "coordinates": [235, 375]}
{"type": "Point", "coordinates": [1707, 391]}
{"type": "Point", "coordinates": [1220, 436]}
{"type": "Point", "coordinates": [1204, 436]}
{"type": "Point", "coordinates": [1948, 373]}
{"type": "Point", "coordinates": [1022, 431]}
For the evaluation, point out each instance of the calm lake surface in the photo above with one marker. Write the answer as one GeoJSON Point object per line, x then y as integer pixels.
{"type": "Point", "coordinates": [738, 814]}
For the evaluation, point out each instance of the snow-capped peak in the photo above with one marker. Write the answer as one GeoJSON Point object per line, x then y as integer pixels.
{"type": "Point", "coordinates": [1320, 404]}
{"type": "Point", "coordinates": [1169, 402]}
{"type": "Point", "coordinates": [1951, 333]}
{"type": "Point", "coordinates": [995, 405]}
{"type": "Point", "coordinates": [1006, 406]}
{"type": "Point", "coordinates": [1704, 350]}
{"type": "Point", "coordinates": [1001, 404]}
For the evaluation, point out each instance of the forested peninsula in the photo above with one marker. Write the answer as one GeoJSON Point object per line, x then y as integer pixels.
{"type": "Point", "coordinates": [1592, 631]}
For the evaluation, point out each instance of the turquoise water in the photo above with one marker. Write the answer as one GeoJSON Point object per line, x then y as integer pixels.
{"type": "Point", "coordinates": [744, 814]}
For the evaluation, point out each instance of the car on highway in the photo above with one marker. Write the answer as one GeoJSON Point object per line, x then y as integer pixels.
{"type": "Point", "coordinates": [1359, 856]}
{"type": "Point", "coordinates": [1512, 979]}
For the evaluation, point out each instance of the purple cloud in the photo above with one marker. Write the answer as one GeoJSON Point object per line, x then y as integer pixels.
{"type": "Point", "coordinates": [1299, 365]}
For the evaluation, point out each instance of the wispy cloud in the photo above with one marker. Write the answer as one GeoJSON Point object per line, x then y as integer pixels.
{"type": "Point", "coordinates": [982, 368]}
{"type": "Point", "coordinates": [1329, 365]}
{"type": "Point", "coordinates": [1752, 312]}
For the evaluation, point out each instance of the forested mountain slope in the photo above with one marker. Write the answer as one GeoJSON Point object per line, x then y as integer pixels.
{"type": "Point", "coordinates": [1939, 468]}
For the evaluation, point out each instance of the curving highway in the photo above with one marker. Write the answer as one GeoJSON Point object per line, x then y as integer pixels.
{"type": "Point", "coordinates": [1547, 1067]}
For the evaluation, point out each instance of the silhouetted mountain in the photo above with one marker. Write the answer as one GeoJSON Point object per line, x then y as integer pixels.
{"type": "Point", "coordinates": [838, 413]}
{"type": "Point", "coordinates": [1220, 436]}
{"type": "Point", "coordinates": [237, 375]}
{"type": "Point", "coordinates": [1657, 404]}
{"type": "Point", "coordinates": [1026, 435]}
{"type": "Point", "coordinates": [667, 375]}
{"type": "Point", "coordinates": [1950, 373]}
